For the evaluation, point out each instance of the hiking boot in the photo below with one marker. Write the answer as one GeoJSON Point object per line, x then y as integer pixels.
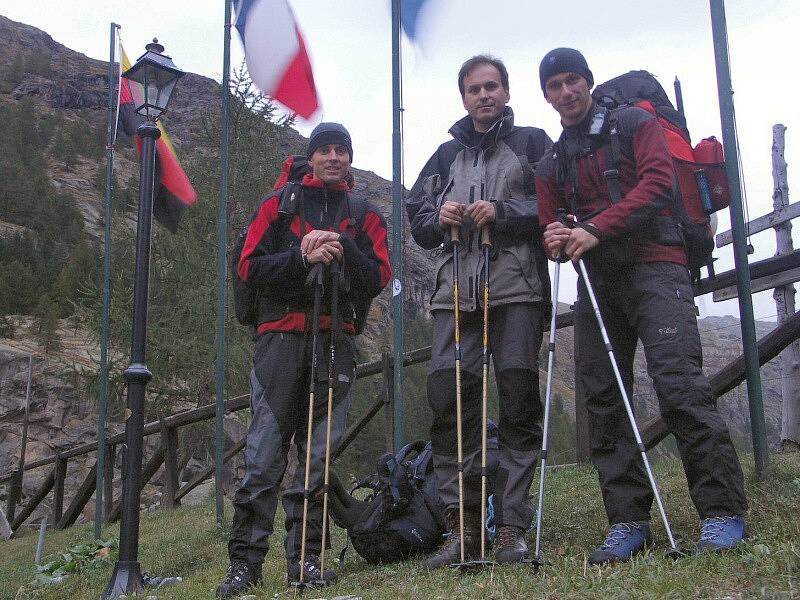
{"type": "Point", "coordinates": [312, 573]}
{"type": "Point", "coordinates": [239, 577]}
{"type": "Point", "coordinates": [510, 545]}
{"type": "Point", "coordinates": [622, 541]}
{"type": "Point", "coordinates": [720, 533]}
{"type": "Point", "coordinates": [450, 551]}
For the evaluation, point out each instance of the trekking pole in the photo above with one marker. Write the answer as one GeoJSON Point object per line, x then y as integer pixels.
{"type": "Point", "coordinates": [584, 273]}
{"type": "Point", "coordinates": [334, 334]}
{"type": "Point", "coordinates": [551, 354]}
{"type": "Point", "coordinates": [486, 244]}
{"type": "Point", "coordinates": [456, 241]}
{"type": "Point", "coordinates": [316, 278]}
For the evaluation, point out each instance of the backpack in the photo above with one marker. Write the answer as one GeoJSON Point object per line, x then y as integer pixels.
{"type": "Point", "coordinates": [402, 515]}
{"type": "Point", "coordinates": [245, 295]}
{"type": "Point", "coordinates": [700, 180]}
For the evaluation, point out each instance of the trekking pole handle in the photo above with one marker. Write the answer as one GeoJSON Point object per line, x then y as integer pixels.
{"type": "Point", "coordinates": [315, 275]}
{"type": "Point", "coordinates": [455, 234]}
{"type": "Point", "coordinates": [486, 237]}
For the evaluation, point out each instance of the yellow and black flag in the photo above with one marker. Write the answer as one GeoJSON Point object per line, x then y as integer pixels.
{"type": "Point", "coordinates": [173, 191]}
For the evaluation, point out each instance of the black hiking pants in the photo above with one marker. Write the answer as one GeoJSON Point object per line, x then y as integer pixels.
{"type": "Point", "coordinates": [515, 336]}
{"type": "Point", "coordinates": [654, 303]}
{"type": "Point", "coordinates": [279, 397]}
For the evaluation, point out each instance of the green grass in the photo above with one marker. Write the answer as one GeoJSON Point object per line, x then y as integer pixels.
{"type": "Point", "coordinates": [187, 542]}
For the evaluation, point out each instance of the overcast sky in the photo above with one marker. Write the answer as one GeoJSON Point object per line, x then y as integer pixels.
{"type": "Point", "coordinates": [350, 46]}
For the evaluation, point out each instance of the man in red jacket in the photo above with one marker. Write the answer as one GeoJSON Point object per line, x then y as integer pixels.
{"type": "Point", "coordinates": [626, 233]}
{"type": "Point", "coordinates": [276, 258]}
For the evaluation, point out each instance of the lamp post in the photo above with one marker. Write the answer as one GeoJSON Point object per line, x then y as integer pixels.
{"type": "Point", "coordinates": [152, 81]}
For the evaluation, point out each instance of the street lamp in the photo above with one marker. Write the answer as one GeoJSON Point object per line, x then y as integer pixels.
{"type": "Point", "coordinates": [153, 80]}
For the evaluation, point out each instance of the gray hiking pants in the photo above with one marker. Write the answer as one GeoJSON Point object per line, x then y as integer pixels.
{"type": "Point", "coordinates": [654, 303]}
{"type": "Point", "coordinates": [515, 336]}
{"type": "Point", "coordinates": [279, 385]}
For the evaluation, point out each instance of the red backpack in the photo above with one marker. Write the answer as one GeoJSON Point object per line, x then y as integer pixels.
{"type": "Point", "coordinates": [701, 182]}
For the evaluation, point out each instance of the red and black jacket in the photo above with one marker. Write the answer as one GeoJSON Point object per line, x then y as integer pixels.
{"type": "Point", "coordinates": [271, 259]}
{"type": "Point", "coordinates": [645, 180]}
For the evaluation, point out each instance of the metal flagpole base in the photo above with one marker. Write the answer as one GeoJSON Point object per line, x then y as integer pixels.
{"type": "Point", "coordinates": [473, 566]}
{"type": "Point", "coordinates": [125, 580]}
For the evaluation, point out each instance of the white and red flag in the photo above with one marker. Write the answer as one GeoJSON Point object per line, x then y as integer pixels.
{"type": "Point", "coordinates": [276, 54]}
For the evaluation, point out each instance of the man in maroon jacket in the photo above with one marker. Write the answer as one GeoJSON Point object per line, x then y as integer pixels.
{"type": "Point", "coordinates": [276, 258]}
{"type": "Point", "coordinates": [631, 243]}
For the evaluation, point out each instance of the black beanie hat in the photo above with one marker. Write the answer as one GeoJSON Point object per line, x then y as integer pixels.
{"type": "Point", "coordinates": [564, 60]}
{"type": "Point", "coordinates": [329, 133]}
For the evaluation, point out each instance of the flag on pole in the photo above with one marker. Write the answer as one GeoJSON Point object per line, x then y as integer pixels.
{"type": "Point", "coordinates": [173, 191]}
{"type": "Point", "coordinates": [276, 54]}
{"type": "Point", "coordinates": [411, 15]}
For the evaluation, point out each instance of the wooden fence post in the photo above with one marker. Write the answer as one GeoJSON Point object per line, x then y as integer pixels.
{"type": "Point", "coordinates": [169, 440]}
{"type": "Point", "coordinates": [784, 298]}
{"type": "Point", "coordinates": [58, 488]}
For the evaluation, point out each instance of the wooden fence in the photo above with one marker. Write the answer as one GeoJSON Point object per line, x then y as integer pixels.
{"type": "Point", "coordinates": [166, 452]}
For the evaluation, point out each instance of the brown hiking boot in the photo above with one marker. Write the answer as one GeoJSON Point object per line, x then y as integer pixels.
{"type": "Point", "coordinates": [450, 551]}
{"type": "Point", "coordinates": [510, 545]}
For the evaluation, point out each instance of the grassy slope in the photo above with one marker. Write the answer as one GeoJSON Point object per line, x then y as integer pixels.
{"type": "Point", "coordinates": [186, 542]}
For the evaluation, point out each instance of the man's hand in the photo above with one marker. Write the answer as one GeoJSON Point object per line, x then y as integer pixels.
{"type": "Point", "coordinates": [482, 212]}
{"type": "Point", "coordinates": [555, 236]}
{"type": "Point", "coordinates": [451, 214]}
{"type": "Point", "coordinates": [580, 241]}
{"type": "Point", "coordinates": [314, 239]}
{"type": "Point", "coordinates": [325, 253]}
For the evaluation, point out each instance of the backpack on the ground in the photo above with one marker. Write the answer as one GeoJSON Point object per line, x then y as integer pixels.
{"type": "Point", "coordinates": [701, 182]}
{"type": "Point", "coordinates": [401, 515]}
{"type": "Point", "coordinates": [246, 295]}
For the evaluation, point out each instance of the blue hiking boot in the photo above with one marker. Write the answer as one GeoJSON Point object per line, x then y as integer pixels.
{"type": "Point", "coordinates": [720, 533]}
{"type": "Point", "coordinates": [622, 541]}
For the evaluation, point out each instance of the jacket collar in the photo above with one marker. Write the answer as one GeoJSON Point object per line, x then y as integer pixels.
{"type": "Point", "coordinates": [463, 130]}
{"type": "Point", "coordinates": [312, 182]}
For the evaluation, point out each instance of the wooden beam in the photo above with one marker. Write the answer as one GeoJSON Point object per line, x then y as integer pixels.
{"type": "Point", "coordinates": [761, 268]}
{"type": "Point", "coordinates": [733, 373]}
{"type": "Point", "coordinates": [35, 500]}
{"type": "Point", "coordinates": [83, 496]}
{"type": "Point", "coordinates": [201, 476]}
{"type": "Point", "coordinates": [763, 223]}
{"type": "Point", "coordinates": [759, 285]}
{"type": "Point", "coordinates": [356, 427]}
{"type": "Point", "coordinates": [148, 471]}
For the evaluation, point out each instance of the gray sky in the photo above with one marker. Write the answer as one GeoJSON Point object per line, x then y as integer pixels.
{"type": "Point", "coordinates": [350, 48]}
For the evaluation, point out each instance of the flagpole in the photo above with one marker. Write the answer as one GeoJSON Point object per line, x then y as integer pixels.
{"type": "Point", "coordinates": [758, 426]}
{"type": "Point", "coordinates": [219, 437]}
{"type": "Point", "coordinates": [103, 400]}
{"type": "Point", "coordinates": [397, 232]}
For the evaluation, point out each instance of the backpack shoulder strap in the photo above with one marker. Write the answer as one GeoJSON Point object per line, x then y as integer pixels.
{"type": "Point", "coordinates": [357, 209]}
{"type": "Point", "coordinates": [611, 174]}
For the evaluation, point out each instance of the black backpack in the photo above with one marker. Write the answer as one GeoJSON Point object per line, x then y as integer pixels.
{"type": "Point", "coordinates": [245, 295]}
{"type": "Point", "coordinates": [401, 515]}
